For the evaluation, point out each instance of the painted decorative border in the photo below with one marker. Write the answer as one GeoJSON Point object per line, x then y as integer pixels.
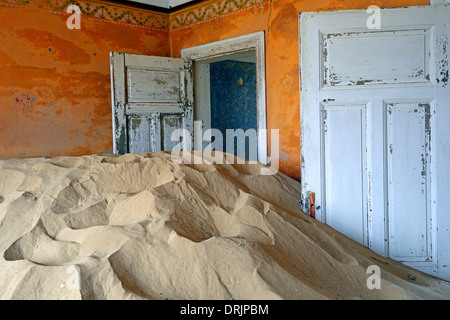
{"type": "Point", "coordinates": [115, 13]}
{"type": "Point", "coordinates": [212, 10]}
{"type": "Point", "coordinates": [100, 10]}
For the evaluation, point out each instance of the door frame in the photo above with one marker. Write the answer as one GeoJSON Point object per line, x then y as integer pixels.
{"type": "Point", "coordinates": [198, 54]}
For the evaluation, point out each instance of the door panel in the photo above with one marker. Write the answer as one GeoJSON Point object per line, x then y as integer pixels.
{"type": "Point", "coordinates": [153, 86]}
{"type": "Point", "coordinates": [366, 58]}
{"type": "Point", "coordinates": [170, 122]}
{"type": "Point", "coordinates": [408, 184]}
{"type": "Point", "coordinates": [152, 97]}
{"type": "Point", "coordinates": [390, 190]}
{"type": "Point", "coordinates": [139, 134]}
{"type": "Point", "coordinates": [344, 142]}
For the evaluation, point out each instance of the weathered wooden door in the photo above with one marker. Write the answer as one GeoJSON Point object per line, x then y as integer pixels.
{"type": "Point", "coordinates": [151, 97]}
{"type": "Point", "coordinates": [375, 118]}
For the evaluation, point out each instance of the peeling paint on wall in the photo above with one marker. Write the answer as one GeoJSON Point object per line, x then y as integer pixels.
{"type": "Point", "coordinates": [25, 101]}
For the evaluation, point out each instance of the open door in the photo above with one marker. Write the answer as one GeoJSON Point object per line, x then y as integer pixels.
{"type": "Point", "coordinates": [151, 98]}
{"type": "Point", "coordinates": [375, 130]}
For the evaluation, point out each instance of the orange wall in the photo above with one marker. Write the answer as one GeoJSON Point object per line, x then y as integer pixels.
{"type": "Point", "coordinates": [279, 20]}
{"type": "Point", "coordinates": [55, 83]}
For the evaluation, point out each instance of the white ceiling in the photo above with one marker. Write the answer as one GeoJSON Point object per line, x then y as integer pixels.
{"type": "Point", "coordinates": [162, 3]}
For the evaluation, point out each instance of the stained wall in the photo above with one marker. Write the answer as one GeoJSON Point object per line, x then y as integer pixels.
{"type": "Point", "coordinates": [55, 82]}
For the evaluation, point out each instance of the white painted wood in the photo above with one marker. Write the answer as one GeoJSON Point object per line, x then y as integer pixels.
{"type": "Point", "coordinates": [251, 42]}
{"type": "Point", "coordinates": [153, 86]}
{"type": "Point", "coordinates": [363, 58]}
{"type": "Point", "coordinates": [139, 130]}
{"type": "Point", "coordinates": [143, 108]}
{"type": "Point", "coordinates": [408, 162]}
{"type": "Point", "coordinates": [389, 73]}
{"type": "Point", "coordinates": [119, 121]}
{"type": "Point", "coordinates": [153, 62]}
{"type": "Point", "coordinates": [152, 97]}
{"type": "Point", "coordinates": [344, 166]}
{"type": "Point", "coordinates": [439, 2]}
{"type": "Point", "coordinates": [202, 102]}
{"type": "Point", "coordinates": [170, 122]}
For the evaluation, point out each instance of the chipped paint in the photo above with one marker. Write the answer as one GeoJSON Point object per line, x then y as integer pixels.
{"type": "Point", "coordinates": [25, 101]}
{"type": "Point", "coordinates": [418, 73]}
{"type": "Point", "coordinates": [443, 76]}
{"type": "Point", "coordinates": [427, 109]}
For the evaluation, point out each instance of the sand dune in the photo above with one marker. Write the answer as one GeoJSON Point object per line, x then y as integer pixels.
{"type": "Point", "coordinates": [143, 227]}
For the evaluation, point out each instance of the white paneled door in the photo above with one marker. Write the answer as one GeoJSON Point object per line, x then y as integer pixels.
{"type": "Point", "coordinates": [375, 123]}
{"type": "Point", "coordinates": [151, 98]}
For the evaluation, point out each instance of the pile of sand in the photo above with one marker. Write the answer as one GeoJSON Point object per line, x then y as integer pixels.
{"type": "Point", "coordinates": [142, 226]}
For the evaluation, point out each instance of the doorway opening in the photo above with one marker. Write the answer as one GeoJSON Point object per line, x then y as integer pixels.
{"type": "Point", "coordinates": [232, 100]}
{"type": "Point", "coordinates": [229, 95]}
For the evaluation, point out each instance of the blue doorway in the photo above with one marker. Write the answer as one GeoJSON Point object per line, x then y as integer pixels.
{"type": "Point", "coordinates": [233, 101]}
